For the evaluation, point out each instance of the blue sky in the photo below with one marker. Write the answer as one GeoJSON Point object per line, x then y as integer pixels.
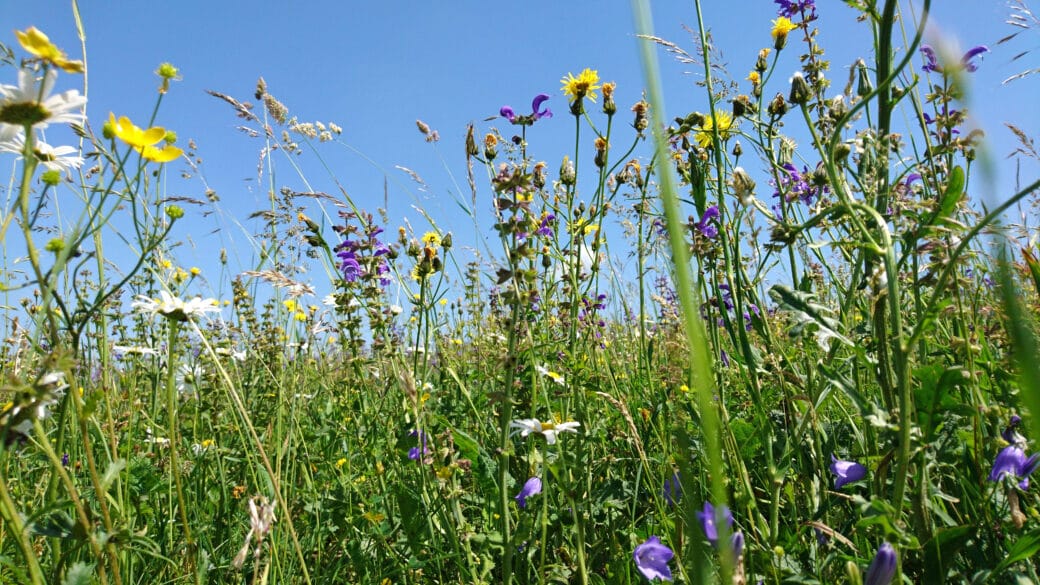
{"type": "Point", "coordinates": [376, 67]}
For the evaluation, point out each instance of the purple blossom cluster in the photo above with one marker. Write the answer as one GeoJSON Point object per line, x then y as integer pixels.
{"type": "Point", "coordinates": [708, 225]}
{"type": "Point", "coordinates": [931, 61]}
{"type": "Point", "coordinates": [730, 306]}
{"type": "Point", "coordinates": [535, 115]}
{"type": "Point", "coordinates": [795, 185]}
{"type": "Point", "coordinates": [796, 8]}
{"type": "Point", "coordinates": [365, 258]}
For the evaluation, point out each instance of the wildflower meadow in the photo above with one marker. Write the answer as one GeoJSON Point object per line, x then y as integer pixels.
{"type": "Point", "coordinates": [785, 332]}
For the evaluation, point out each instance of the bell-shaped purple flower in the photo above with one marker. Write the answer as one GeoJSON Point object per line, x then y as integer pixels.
{"type": "Point", "coordinates": [531, 487]}
{"type": "Point", "coordinates": [707, 518]}
{"type": "Point", "coordinates": [1012, 461]}
{"type": "Point", "coordinates": [652, 559]}
{"type": "Point", "coordinates": [846, 471]}
{"type": "Point", "coordinates": [883, 568]}
{"type": "Point", "coordinates": [417, 453]}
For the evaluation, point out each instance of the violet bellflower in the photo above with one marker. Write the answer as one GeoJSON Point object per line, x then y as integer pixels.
{"type": "Point", "coordinates": [652, 559]}
{"type": "Point", "coordinates": [883, 568]}
{"type": "Point", "coordinates": [711, 531]}
{"type": "Point", "coordinates": [1012, 461]}
{"type": "Point", "coordinates": [536, 114]}
{"type": "Point", "coordinates": [531, 487]}
{"type": "Point", "coordinates": [846, 471]}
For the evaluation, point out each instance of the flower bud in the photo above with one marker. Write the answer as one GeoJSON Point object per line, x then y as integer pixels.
{"type": "Point", "coordinates": [737, 149]}
{"type": "Point", "coordinates": [490, 146]}
{"type": "Point", "coordinates": [601, 152]}
{"type": "Point", "coordinates": [51, 177]}
{"type": "Point", "coordinates": [174, 212]}
{"type": "Point", "coordinates": [841, 152]}
{"type": "Point", "coordinates": [836, 108]}
{"type": "Point", "coordinates": [641, 122]}
{"type": "Point", "coordinates": [567, 174]}
{"type": "Point", "coordinates": [741, 105]}
{"type": "Point", "coordinates": [883, 568]}
{"type": "Point", "coordinates": [763, 60]}
{"type": "Point", "coordinates": [609, 107]}
{"type": "Point", "coordinates": [778, 106]}
{"type": "Point", "coordinates": [471, 143]}
{"type": "Point", "coordinates": [864, 86]}
{"type": "Point", "coordinates": [743, 185]}
{"type": "Point", "coordinates": [800, 91]}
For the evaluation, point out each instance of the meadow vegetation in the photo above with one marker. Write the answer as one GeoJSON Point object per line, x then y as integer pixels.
{"type": "Point", "coordinates": [779, 340]}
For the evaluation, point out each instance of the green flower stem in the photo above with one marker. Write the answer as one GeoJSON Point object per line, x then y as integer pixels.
{"type": "Point", "coordinates": [701, 379]}
{"type": "Point", "coordinates": [243, 413]}
{"type": "Point", "coordinates": [171, 412]}
{"type": "Point", "coordinates": [17, 527]}
{"type": "Point", "coordinates": [43, 442]}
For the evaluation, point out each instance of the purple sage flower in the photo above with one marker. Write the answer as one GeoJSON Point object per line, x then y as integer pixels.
{"type": "Point", "coordinates": [652, 559]}
{"type": "Point", "coordinates": [531, 487]}
{"type": "Point", "coordinates": [846, 471]}
{"type": "Point", "coordinates": [706, 226]}
{"type": "Point", "coordinates": [1012, 461]}
{"type": "Point", "coordinates": [793, 8]}
{"type": "Point", "coordinates": [967, 61]}
{"type": "Point", "coordinates": [883, 568]}
{"type": "Point", "coordinates": [536, 114]}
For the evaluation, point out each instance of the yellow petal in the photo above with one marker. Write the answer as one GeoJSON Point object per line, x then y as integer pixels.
{"type": "Point", "coordinates": [161, 155]}
{"type": "Point", "coordinates": [37, 43]}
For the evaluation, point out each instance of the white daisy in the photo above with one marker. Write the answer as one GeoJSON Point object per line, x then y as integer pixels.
{"type": "Point", "coordinates": [31, 103]}
{"type": "Point", "coordinates": [526, 426]}
{"type": "Point", "coordinates": [554, 376]}
{"type": "Point", "coordinates": [53, 158]}
{"type": "Point", "coordinates": [171, 307]}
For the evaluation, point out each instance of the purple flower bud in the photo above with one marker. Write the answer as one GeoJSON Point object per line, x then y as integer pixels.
{"type": "Point", "coordinates": [883, 568]}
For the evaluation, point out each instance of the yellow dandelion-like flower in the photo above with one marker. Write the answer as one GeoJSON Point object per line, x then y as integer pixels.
{"type": "Point", "coordinates": [584, 85]}
{"type": "Point", "coordinates": [432, 239]}
{"type": "Point", "coordinates": [725, 128]}
{"type": "Point", "coordinates": [782, 26]}
{"type": "Point", "coordinates": [34, 41]}
{"type": "Point", "coordinates": [754, 77]}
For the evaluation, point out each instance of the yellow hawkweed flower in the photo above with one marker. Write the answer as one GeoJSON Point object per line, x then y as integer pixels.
{"type": "Point", "coordinates": [584, 85]}
{"type": "Point", "coordinates": [725, 128]}
{"type": "Point", "coordinates": [781, 27]}
{"type": "Point", "coordinates": [37, 43]}
{"type": "Point", "coordinates": [431, 239]}
{"type": "Point", "coordinates": [754, 77]}
{"type": "Point", "coordinates": [195, 271]}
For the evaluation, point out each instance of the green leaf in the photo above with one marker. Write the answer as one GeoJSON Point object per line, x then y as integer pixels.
{"type": "Point", "coordinates": [952, 196]}
{"type": "Point", "coordinates": [79, 573]}
{"type": "Point", "coordinates": [1034, 267]}
{"type": "Point", "coordinates": [1026, 547]}
{"type": "Point", "coordinates": [808, 316]}
{"type": "Point", "coordinates": [942, 549]}
{"type": "Point", "coordinates": [111, 473]}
